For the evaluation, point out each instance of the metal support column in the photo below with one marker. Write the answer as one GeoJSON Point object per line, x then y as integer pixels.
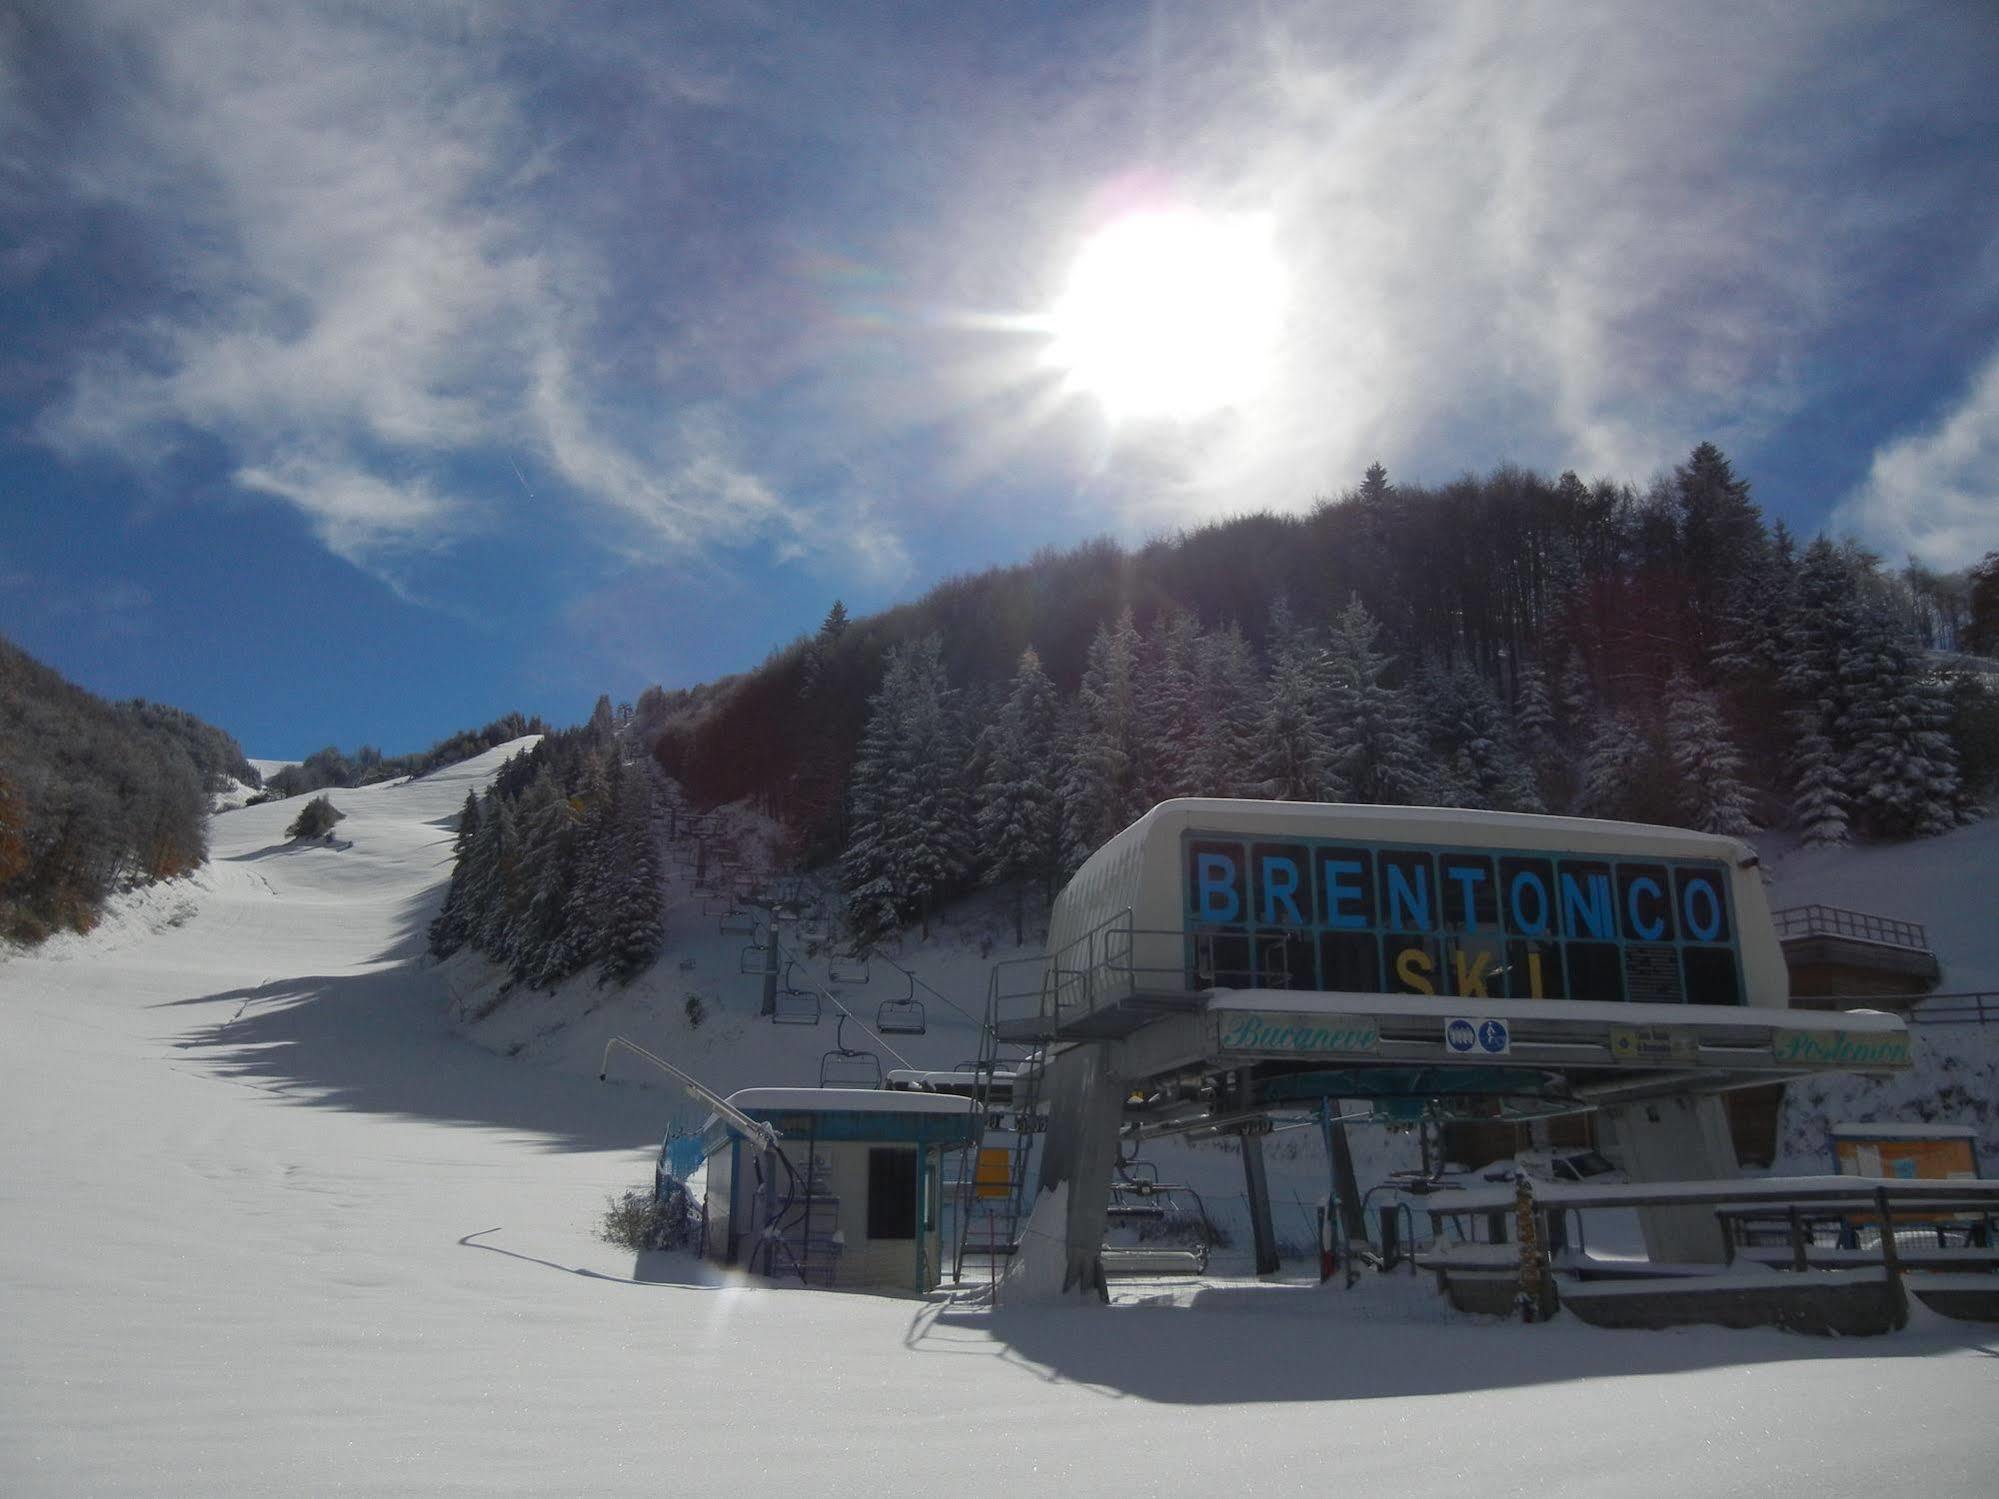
{"type": "Point", "coordinates": [1258, 1187]}
{"type": "Point", "coordinates": [1346, 1187]}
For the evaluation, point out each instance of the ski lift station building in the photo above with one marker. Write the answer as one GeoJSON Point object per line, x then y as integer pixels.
{"type": "Point", "coordinates": [1218, 960]}
{"type": "Point", "coordinates": [852, 1194]}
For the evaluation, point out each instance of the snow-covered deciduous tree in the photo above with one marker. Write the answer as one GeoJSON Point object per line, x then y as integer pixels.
{"type": "Point", "coordinates": [1712, 795]}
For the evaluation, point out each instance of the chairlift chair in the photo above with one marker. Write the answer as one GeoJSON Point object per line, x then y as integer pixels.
{"type": "Point", "coordinates": [739, 924]}
{"type": "Point", "coordinates": [852, 968]}
{"type": "Point", "coordinates": [844, 1067]}
{"type": "Point", "coordinates": [757, 960]}
{"type": "Point", "coordinates": [901, 1017]}
{"type": "Point", "coordinates": [796, 1007]}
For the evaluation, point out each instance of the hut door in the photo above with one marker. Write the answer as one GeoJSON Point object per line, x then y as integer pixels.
{"type": "Point", "coordinates": [891, 1194]}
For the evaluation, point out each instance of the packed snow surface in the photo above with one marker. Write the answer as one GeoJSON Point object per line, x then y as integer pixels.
{"type": "Point", "coordinates": [268, 1224]}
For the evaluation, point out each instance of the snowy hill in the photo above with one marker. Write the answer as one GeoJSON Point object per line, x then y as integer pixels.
{"type": "Point", "coordinates": [1945, 883]}
{"type": "Point", "coordinates": [269, 1224]}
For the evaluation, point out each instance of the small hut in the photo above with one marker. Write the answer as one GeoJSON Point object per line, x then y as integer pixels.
{"type": "Point", "coordinates": [849, 1196]}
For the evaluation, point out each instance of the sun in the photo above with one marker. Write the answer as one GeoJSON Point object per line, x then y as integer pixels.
{"type": "Point", "coordinates": [1169, 315]}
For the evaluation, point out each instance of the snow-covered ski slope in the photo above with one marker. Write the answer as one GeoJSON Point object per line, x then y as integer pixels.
{"type": "Point", "coordinates": [1948, 885]}
{"type": "Point", "coordinates": [268, 1225]}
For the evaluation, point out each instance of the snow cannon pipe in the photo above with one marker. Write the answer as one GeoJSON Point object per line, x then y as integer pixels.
{"type": "Point", "coordinates": [766, 1136]}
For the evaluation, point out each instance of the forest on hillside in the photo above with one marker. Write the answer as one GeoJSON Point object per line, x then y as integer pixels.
{"type": "Point", "coordinates": [95, 795]}
{"type": "Point", "coordinates": [1508, 642]}
{"type": "Point", "coordinates": [332, 767]}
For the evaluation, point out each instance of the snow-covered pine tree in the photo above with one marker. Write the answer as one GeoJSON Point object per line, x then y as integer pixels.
{"type": "Point", "coordinates": [1225, 716]}
{"type": "Point", "coordinates": [545, 957]}
{"type": "Point", "coordinates": [1712, 795]}
{"type": "Point", "coordinates": [1821, 627]}
{"type": "Point", "coordinates": [938, 853]}
{"type": "Point", "coordinates": [1476, 761]}
{"type": "Point", "coordinates": [587, 906]}
{"type": "Point", "coordinates": [869, 873]}
{"type": "Point", "coordinates": [633, 931]}
{"type": "Point", "coordinates": [492, 900]}
{"type": "Point", "coordinates": [1374, 749]}
{"type": "Point", "coordinates": [1537, 733]}
{"type": "Point", "coordinates": [1611, 764]}
{"type": "Point", "coordinates": [1168, 669]}
{"type": "Point", "coordinates": [1105, 789]}
{"type": "Point", "coordinates": [1899, 765]}
{"type": "Point", "coordinates": [1019, 817]}
{"type": "Point", "coordinates": [448, 929]}
{"type": "Point", "coordinates": [1721, 537]}
{"type": "Point", "coordinates": [1818, 804]}
{"type": "Point", "coordinates": [912, 816]}
{"type": "Point", "coordinates": [1578, 701]}
{"type": "Point", "coordinates": [816, 792]}
{"type": "Point", "coordinates": [1294, 761]}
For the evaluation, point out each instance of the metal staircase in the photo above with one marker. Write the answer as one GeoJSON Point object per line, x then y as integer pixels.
{"type": "Point", "coordinates": [1006, 1102]}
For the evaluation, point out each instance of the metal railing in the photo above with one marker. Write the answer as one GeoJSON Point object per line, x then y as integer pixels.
{"type": "Point", "coordinates": [1095, 970]}
{"type": "Point", "coordinates": [1972, 1008]}
{"type": "Point", "coordinates": [1831, 921]}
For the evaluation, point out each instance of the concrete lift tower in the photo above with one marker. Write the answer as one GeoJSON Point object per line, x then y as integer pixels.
{"type": "Point", "coordinates": [1221, 960]}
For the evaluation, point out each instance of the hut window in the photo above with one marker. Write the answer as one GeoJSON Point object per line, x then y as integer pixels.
{"type": "Point", "coordinates": [891, 1194]}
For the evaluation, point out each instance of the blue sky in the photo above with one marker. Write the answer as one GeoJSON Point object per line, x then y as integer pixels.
{"type": "Point", "coordinates": [370, 369]}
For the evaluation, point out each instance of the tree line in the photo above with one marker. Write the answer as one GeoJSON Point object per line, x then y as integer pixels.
{"type": "Point", "coordinates": [95, 796]}
{"type": "Point", "coordinates": [1509, 642]}
{"type": "Point", "coordinates": [332, 768]}
{"type": "Point", "coordinates": [558, 865]}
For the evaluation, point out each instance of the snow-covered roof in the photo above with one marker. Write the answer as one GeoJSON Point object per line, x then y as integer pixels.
{"type": "Point", "coordinates": [918, 1078]}
{"type": "Point", "coordinates": [847, 1100]}
{"type": "Point", "coordinates": [1904, 1132]}
{"type": "Point", "coordinates": [1446, 824]}
{"type": "Point", "coordinates": [1775, 1190]}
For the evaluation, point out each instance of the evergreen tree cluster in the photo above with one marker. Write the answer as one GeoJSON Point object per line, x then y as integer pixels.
{"type": "Point", "coordinates": [1510, 642]}
{"type": "Point", "coordinates": [94, 796]}
{"type": "Point", "coordinates": [332, 768]}
{"type": "Point", "coordinates": [558, 865]}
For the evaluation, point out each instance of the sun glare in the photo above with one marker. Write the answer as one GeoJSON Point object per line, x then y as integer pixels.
{"type": "Point", "coordinates": [1169, 315]}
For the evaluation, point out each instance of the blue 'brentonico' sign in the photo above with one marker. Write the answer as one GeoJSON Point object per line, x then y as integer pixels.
{"type": "Point", "coordinates": [1313, 913]}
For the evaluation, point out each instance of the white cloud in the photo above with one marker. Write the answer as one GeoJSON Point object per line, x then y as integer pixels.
{"type": "Point", "coordinates": [1935, 493]}
{"type": "Point", "coordinates": [371, 287]}
{"type": "Point", "coordinates": [357, 515]}
{"type": "Point", "coordinates": [1553, 234]}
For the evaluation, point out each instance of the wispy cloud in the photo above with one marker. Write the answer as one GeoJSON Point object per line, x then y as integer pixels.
{"type": "Point", "coordinates": [707, 290]}
{"type": "Point", "coordinates": [1935, 493]}
{"type": "Point", "coordinates": [373, 285]}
